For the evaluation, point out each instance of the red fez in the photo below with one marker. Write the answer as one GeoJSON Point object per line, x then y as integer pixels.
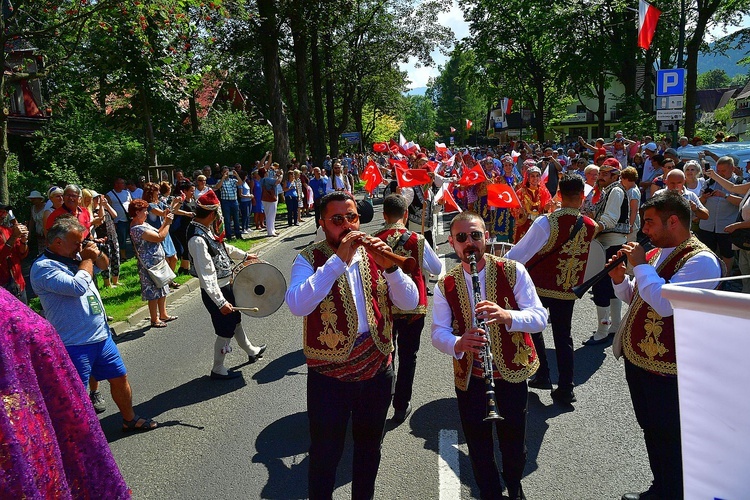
{"type": "Point", "coordinates": [209, 200]}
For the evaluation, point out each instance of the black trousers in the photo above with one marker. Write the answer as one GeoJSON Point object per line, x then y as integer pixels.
{"type": "Point", "coordinates": [561, 314]}
{"type": "Point", "coordinates": [657, 410]}
{"type": "Point", "coordinates": [512, 401]}
{"type": "Point", "coordinates": [316, 207]}
{"type": "Point", "coordinates": [330, 404]}
{"type": "Point", "coordinates": [603, 290]}
{"type": "Point", "coordinates": [407, 331]}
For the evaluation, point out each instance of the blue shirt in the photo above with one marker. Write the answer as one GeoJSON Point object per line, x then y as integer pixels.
{"type": "Point", "coordinates": [318, 187]}
{"type": "Point", "coordinates": [69, 299]}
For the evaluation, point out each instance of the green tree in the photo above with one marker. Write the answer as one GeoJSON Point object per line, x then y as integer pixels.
{"type": "Point", "coordinates": [419, 120]}
{"type": "Point", "coordinates": [713, 79]}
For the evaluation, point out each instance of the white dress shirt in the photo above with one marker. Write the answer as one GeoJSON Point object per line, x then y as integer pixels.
{"type": "Point", "coordinates": [430, 261]}
{"type": "Point", "coordinates": [702, 266]}
{"type": "Point", "coordinates": [533, 241]}
{"type": "Point", "coordinates": [309, 287]}
{"type": "Point", "coordinates": [532, 316]}
{"type": "Point", "coordinates": [204, 267]}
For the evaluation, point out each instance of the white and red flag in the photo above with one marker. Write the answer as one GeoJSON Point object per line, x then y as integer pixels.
{"type": "Point", "coordinates": [440, 147]}
{"type": "Point", "coordinates": [507, 105]}
{"type": "Point", "coordinates": [411, 177]}
{"type": "Point", "coordinates": [372, 176]}
{"type": "Point", "coordinates": [401, 139]}
{"type": "Point", "coordinates": [445, 197]}
{"type": "Point", "coordinates": [502, 196]}
{"type": "Point", "coordinates": [473, 175]}
{"type": "Point", "coordinates": [469, 123]}
{"type": "Point", "coordinates": [453, 130]}
{"type": "Point", "coordinates": [648, 15]}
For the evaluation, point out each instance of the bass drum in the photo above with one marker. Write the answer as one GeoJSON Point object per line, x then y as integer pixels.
{"type": "Point", "coordinates": [597, 259]}
{"type": "Point", "coordinates": [258, 284]}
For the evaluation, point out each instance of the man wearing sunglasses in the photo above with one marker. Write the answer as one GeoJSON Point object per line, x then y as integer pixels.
{"type": "Point", "coordinates": [345, 295]}
{"type": "Point", "coordinates": [510, 308]}
{"type": "Point", "coordinates": [555, 251]}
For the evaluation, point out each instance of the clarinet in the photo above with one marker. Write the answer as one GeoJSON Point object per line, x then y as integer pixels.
{"type": "Point", "coordinates": [486, 355]}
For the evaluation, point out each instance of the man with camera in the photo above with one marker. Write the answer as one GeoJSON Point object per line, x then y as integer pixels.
{"type": "Point", "coordinates": [226, 187]}
{"type": "Point", "coordinates": [722, 211]}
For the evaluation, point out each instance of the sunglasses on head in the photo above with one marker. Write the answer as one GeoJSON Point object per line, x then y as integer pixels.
{"type": "Point", "coordinates": [338, 219]}
{"type": "Point", "coordinates": [475, 235]}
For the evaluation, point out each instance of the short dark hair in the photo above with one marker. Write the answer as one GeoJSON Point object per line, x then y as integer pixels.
{"type": "Point", "coordinates": [658, 159]}
{"type": "Point", "coordinates": [670, 203]}
{"type": "Point", "coordinates": [570, 185]}
{"type": "Point", "coordinates": [335, 196]}
{"type": "Point", "coordinates": [394, 205]}
{"type": "Point", "coordinates": [465, 216]}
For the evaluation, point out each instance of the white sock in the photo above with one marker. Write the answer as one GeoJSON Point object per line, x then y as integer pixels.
{"type": "Point", "coordinates": [243, 342]}
{"type": "Point", "coordinates": [615, 308]}
{"type": "Point", "coordinates": [602, 329]}
{"type": "Point", "coordinates": [219, 356]}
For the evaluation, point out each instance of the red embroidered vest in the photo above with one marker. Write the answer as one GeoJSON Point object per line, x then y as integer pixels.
{"type": "Point", "coordinates": [647, 338]}
{"type": "Point", "coordinates": [414, 247]}
{"type": "Point", "coordinates": [555, 275]}
{"type": "Point", "coordinates": [514, 355]}
{"type": "Point", "coordinates": [330, 331]}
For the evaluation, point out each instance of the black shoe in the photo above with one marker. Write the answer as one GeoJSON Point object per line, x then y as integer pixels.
{"type": "Point", "coordinates": [564, 396]}
{"type": "Point", "coordinates": [539, 382]}
{"type": "Point", "coordinates": [593, 341]}
{"type": "Point", "coordinates": [516, 493]}
{"type": "Point", "coordinates": [253, 359]}
{"type": "Point", "coordinates": [646, 495]}
{"type": "Point", "coordinates": [400, 416]}
{"type": "Point", "coordinates": [228, 376]}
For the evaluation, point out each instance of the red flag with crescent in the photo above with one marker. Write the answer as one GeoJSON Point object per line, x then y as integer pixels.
{"type": "Point", "coordinates": [412, 177]}
{"type": "Point", "coordinates": [502, 196]}
{"type": "Point", "coordinates": [398, 163]}
{"type": "Point", "coordinates": [431, 165]}
{"type": "Point", "coordinates": [471, 176]}
{"type": "Point", "coordinates": [380, 147]}
{"type": "Point", "coordinates": [372, 176]}
{"type": "Point", "coordinates": [394, 147]}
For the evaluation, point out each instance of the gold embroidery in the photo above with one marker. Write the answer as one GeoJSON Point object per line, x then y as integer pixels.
{"type": "Point", "coordinates": [381, 288]}
{"type": "Point", "coordinates": [330, 336]}
{"type": "Point", "coordinates": [523, 352]}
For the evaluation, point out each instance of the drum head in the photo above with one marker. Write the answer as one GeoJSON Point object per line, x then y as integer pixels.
{"type": "Point", "coordinates": [259, 285]}
{"type": "Point", "coordinates": [596, 260]}
{"type": "Point", "coordinates": [366, 212]}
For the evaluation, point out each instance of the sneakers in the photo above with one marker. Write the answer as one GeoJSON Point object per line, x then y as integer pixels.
{"type": "Point", "coordinates": [98, 401]}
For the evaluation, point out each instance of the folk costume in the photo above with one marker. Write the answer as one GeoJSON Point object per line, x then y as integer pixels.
{"type": "Point", "coordinates": [507, 283]}
{"type": "Point", "coordinates": [347, 342]}
{"type": "Point", "coordinates": [408, 325]}
{"type": "Point", "coordinates": [211, 261]}
{"type": "Point", "coordinates": [533, 203]}
{"type": "Point", "coordinates": [648, 344]}
{"type": "Point", "coordinates": [555, 251]}
{"type": "Point", "coordinates": [498, 221]}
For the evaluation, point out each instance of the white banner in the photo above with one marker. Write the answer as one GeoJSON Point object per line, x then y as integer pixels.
{"type": "Point", "coordinates": [713, 342]}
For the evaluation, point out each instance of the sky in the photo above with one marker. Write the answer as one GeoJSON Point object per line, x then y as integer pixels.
{"type": "Point", "coordinates": [454, 19]}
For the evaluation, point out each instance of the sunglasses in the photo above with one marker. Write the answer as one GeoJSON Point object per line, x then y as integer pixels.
{"type": "Point", "coordinates": [475, 235]}
{"type": "Point", "coordinates": [338, 219]}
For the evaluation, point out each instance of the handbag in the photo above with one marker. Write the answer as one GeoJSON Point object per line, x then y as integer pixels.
{"type": "Point", "coordinates": [740, 237]}
{"type": "Point", "coordinates": [268, 194]}
{"type": "Point", "coordinates": [161, 274]}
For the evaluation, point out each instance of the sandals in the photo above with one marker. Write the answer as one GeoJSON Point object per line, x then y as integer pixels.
{"type": "Point", "coordinates": [132, 425]}
{"type": "Point", "coordinates": [174, 285]}
{"type": "Point", "coordinates": [168, 319]}
{"type": "Point", "coordinates": [158, 324]}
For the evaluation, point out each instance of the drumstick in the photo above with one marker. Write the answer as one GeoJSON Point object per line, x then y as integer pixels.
{"type": "Point", "coordinates": [251, 309]}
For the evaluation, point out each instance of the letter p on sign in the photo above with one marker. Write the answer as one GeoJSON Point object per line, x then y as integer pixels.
{"type": "Point", "coordinates": [670, 82]}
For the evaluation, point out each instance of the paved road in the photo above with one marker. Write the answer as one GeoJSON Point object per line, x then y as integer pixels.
{"type": "Point", "coordinates": [248, 438]}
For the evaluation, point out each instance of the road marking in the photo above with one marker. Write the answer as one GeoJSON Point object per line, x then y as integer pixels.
{"type": "Point", "coordinates": [448, 465]}
{"type": "Point", "coordinates": [439, 223]}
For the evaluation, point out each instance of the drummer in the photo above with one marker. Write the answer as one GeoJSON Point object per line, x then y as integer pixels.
{"type": "Point", "coordinates": [211, 262]}
{"type": "Point", "coordinates": [555, 250]}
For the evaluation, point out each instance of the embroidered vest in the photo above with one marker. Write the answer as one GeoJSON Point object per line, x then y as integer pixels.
{"type": "Point", "coordinates": [415, 209]}
{"type": "Point", "coordinates": [514, 356]}
{"type": "Point", "coordinates": [414, 247]}
{"type": "Point", "coordinates": [648, 339]}
{"type": "Point", "coordinates": [222, 262]}
{"type": "Point", "coordinates": [623, 222]}
{"type": "Point", "coordinates": [555, 275]}
{"type": "Point", "coordinates": [329, 332]}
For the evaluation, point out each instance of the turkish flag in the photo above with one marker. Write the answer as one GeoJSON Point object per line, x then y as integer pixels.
{"type": "Point", "coordinates": [469, 123]}
{"type": "Point", "coordinates": [502, 196]}
{"type": "Point", "coordinates": [431, 166]}
{"type": "Point", "coordinates": [398, 163]}
{"type": "Point", "coordinates": [372, 176]}
{"type": "Point", "coordinates": [648, 16]}
{"type": "Point", "coordinates": [380, 147]}
{"type": "Point", "coordinates": [471, 176]}
{"type": "Point", "coordinates": [445, 198]}
{"type": "Point", "coordinates": [412, 177]}
{"type": "Point", "coordinates": [394, 147]}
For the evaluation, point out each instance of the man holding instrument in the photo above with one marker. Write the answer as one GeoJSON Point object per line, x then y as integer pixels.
{"type": "Point", "coordinates": [503, 282]}
{"type": "Point", "coordinates": [407, 325]}
{"type": "Point", "coordinates": [211, 262]}
{"type": "Point", "coordinates": [648, 335]}
{"type": "Point", "coordinates": [555, 250]}
{"type": "Point", "coordinates": [345, 295]}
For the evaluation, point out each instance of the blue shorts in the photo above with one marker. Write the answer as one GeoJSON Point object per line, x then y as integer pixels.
{"type": "Point", "coordinates": [100, 360]}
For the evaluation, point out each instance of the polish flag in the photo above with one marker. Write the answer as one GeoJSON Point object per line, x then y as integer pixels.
{"type": "Point", "coordinates": [372, 176]}
{"type": "Point", "coordinates": [507, 105]}
{"type": "Point", "coordinates": [440, 147]}
{"type": "Point", "coordinates": [445, 198]}
{"type": "Point", "coordinates": [469, 123]}
{"type": "Point", "coordinates": [545, 174]}
{"type": "Point", "coordinates": [453, 130]}
{"type": "Point", "coordinates": [473, 175]}
{"type": "Point", "coordinates": [502, 196]}
{"type": "Point", "coordinates": [380, 147]}
{"type": "Point", "coordinates": [401, 139]}
{"type": "Point", "coordinates": [412, 177]}
{"type": "Point", "coordinates": [648, 15]}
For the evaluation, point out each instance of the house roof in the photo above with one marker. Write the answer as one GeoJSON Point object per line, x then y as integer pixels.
{"type": "Point", "coordinates": [745, 92]}
{"type": "Point", "coordinates": [710, 100]}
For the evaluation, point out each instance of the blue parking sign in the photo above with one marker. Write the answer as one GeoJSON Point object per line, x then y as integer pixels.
{"type": "Point", "coordinates": [670, 82]}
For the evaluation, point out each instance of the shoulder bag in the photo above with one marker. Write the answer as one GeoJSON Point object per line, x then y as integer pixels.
{"type": "Point", "coordinates": [161, 274]}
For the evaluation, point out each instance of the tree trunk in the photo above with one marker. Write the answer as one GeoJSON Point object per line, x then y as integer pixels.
{"type": "Point", "coordinates": [602, 112]}
{"type": "Point", "coordinates": [333, 139]}
{"type": "Point", "coordinates": [4, 151]}
{"type": "Point", "coordinates": [194, 125]}
{"type": "Point", "coordinates": [540, 98]}
{"type": "Point", "coordinates": [300, 40]}
{"type": "Point", "coordinates": [148, 130]}
{"type": "Point", "coordinates": [316, 129]}
{"type": "Point", "coordinates": [269, 36]}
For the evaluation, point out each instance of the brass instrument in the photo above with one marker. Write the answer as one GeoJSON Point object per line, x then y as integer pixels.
{"type": "Point", "coordinates": [407, 264]}
{"type": "Point", "coordinates": [486, 355]}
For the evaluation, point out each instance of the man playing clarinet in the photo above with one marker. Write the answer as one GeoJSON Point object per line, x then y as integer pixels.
{"type": "Point", "coordinates": [510, 307]}
{"type": "Point", "coordinates": [345, 295]}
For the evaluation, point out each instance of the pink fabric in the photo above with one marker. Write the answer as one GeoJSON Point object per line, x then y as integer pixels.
{"type": "Point", "coordinates": [51, 443]}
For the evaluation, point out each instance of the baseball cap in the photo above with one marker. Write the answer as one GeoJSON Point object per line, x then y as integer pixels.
{"type": "Point", "coordinates": [610, 165]}
{"type": "Point", "coordinates": [671, 151]}
{"type": "Point", "coordinates": [650, 146]}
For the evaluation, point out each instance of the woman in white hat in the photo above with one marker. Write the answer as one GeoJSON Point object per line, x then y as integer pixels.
{"type": "Point", "coordinates": [36, 222]}
{"type": "Point", "coordinates": [55, 195]}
